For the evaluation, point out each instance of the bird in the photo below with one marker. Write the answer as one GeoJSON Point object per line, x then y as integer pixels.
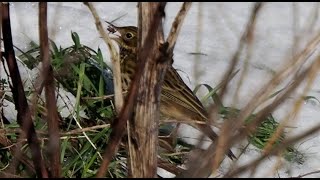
{"type": "Point", "coordinates": [177, 101]}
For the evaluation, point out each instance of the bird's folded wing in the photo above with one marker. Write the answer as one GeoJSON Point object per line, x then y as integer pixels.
{"type": "Point", "coordinates": [175, 91]}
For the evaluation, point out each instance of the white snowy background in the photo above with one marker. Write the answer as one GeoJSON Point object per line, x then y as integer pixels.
{"type": "Point", "coordinates": [221, 27]}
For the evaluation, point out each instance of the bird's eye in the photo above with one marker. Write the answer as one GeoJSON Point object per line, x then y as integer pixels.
{"type": "Point", "coordinates": [129, 35]}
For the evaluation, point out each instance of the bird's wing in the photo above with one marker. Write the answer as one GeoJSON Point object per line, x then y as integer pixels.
{"type": "Point", "coordinates": [174, 90]}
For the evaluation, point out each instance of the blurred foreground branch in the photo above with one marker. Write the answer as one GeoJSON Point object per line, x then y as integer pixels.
{"type": "Point", "coordinates": [24, 115]}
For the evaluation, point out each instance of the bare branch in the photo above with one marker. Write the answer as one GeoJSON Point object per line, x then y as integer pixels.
{"type": "Point", "coordinates": [177, 24]}
{"type": "Point", "coordinates": [307, 174]}
{"type": "Point", "coordinates": [74, 131]}
{"type": "Point", "coordinates": [51, 103]}
{"type": "Point", "coordinates": [278, 148]}
{"type": "Point", "coordinates": [264, 92]}
{"type": "Point", "coordinates": [78, 131]}
{"type": "Point", "coordinates": [264, 112]}
{"type": "Point", "coordinates": [24, 116]}
{"type": "Point", "coordinates": [114, 58]}
{"type": "Point", "coordinates": [246, 37]}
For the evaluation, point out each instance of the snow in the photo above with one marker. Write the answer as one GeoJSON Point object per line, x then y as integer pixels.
{"type": "Point", "coordinates": [222, 25]}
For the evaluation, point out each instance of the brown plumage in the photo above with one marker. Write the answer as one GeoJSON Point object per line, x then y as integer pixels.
{"type": "Point", "coordinates": [177, 100]}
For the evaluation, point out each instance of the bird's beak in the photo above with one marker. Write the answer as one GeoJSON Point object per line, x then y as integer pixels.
{"type": "Point", "coordinates": [113, 32]}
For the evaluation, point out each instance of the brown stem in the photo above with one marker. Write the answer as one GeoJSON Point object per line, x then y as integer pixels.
{"type": "Point", "coordinates": [23, 116]}
{"type": "Point", "coordinates": [51, 104]}
{"type": "Point", "coordinates": [143, 146]}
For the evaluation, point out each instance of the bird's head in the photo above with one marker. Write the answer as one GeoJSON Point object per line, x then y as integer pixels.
{"type": "Point", "coordinates": [125, 36]}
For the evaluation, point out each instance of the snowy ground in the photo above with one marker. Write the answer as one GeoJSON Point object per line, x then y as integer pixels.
{"type": "Point", "coordinates": [221, 25]}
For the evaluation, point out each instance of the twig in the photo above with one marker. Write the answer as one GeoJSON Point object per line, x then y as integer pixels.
{"type": "Point", "coordinates": [118, 95]}
{"type": "Point", "coordinates": [263, 93]}
{"type": "Point", "coordinates": [197, 71]}
{"type": "Point", "coordinates": [278, 148]}
{"type": "Point", "coordinates": [264, 112]}
{"type": "Point", "coordinates": [307, 174]}
{"type": "Point", "coordinates": [164, 164]}
{"type": "Point", "coordinates": [313, 17]}
{"type": "Point", "coordinates": [295, 27]}
{"type": "Point", "coordinates": [246, 38]}
{"type": "Point", "coordinates": [8, 175]}
{"type": "Point", "coordinates": [114, 58]}
{"type": "Point", "coordinates": [7, 144]}
{"type": "Point", "coordinates": [51, 104]}
{"type": "Point", "coordinates": [213, 110]}
{"type": "Point", "coordinates": [77, 131]}
{"type": "Point", "coordinates": [24, 115]}
{"type": "Point", "coordinates": [102, 97]}
{"type": "Point", "coordinates": [249, 49]}
{"type": "Point", "coordinates": [176, 25]}
{"type": "Point", "coordinates": [297, 106]}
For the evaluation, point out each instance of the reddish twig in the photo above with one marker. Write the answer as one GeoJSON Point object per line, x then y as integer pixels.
{"type": "Point", "coordinates": [23, 112]}
{"type": "Point", "coordinates": [51, 104]}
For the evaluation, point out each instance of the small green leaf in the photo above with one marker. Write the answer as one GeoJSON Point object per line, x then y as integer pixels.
{"type": "Point", "coordinates": [76, 40]}
{"type": "Point", "coordinates": [100, 57]}
{"type": "Point", "coordinates": [54, 46]}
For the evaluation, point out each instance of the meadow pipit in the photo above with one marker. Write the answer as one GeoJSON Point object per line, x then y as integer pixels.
{"type": "Point", "coordinates": [177, 101]}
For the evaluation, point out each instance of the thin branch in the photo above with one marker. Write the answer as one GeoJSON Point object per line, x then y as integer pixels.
{"type": "Point", "coordinates": [312, 19]}
{"type": "Point", "coordinates": [246, 38]}
{"type": "Point", "coordinates": [264, 92]}
{"type": "Point", "coordinates": [297, 106]}
{"type": "Point", "coordinates": [8, 175]}
{"type": "Point", "coordinates": [51, 103]}
{"type": "Point", "coordinates": [213, 110]}
{"type": "Point", "coordinates": [277, 149]}
{"type": "Point", "coordinates": [264, 112]}
{"type": "Point", "coordinates": [197, 71]}
{"type": "Point", "coordinates": [72, 132]}
{"type": "Point", "coordinates": [114, 58]}
{"type": "Point", "coordinates": [164, 164]}
{"type": "Point", "coordinates": [78, 131]}
{"type": "Point", "coordinates": [307, 174]}
{"type": "Point", "coordinates": [177, 24]}
{"type": "Point", "coordinates": [102, 97]}
{"type": "Point", "coordinates": [23, 116]}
